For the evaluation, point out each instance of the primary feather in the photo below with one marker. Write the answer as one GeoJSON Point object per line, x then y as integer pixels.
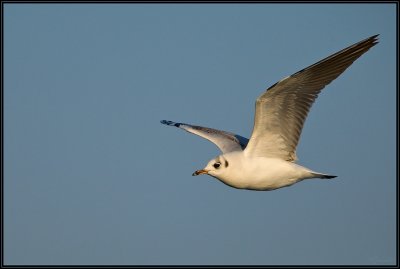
{"type": "Point", "coordinates": [282, 109]}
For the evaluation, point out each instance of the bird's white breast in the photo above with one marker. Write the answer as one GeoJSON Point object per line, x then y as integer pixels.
{"type": "Point", "coordinates": [260, 173]}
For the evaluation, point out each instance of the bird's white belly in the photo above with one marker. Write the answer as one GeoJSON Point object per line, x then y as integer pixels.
{"type": "Point", "coordinates": [264, 174]}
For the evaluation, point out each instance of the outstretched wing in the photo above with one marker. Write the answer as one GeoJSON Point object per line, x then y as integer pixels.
{"type": "Point", "coordinates": [225, 141]}
{"type": "Point", "coordinates": [282, 109]}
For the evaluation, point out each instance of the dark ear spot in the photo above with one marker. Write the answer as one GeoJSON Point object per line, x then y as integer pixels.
{"type": "Point", "coordinates": [226, 163]}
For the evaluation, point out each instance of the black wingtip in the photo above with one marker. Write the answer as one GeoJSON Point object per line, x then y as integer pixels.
{"type": "Point", "coordinates": [168, 122]}
{"type": "Point", "coordinates": [375, 39]}
{"type": "Point", "coordinates": [370, 41]}
{"type": "Point", "coordinates": [375, 36]}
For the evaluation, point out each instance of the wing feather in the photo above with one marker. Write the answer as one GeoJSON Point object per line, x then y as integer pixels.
{"type": "Point", "coordinates": [282, 109]}
{"type": "Point", "coordinates": [225, 141]}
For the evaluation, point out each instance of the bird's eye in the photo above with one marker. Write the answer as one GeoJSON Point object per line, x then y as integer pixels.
{"type": "Point", "coordinates": [217, 165]}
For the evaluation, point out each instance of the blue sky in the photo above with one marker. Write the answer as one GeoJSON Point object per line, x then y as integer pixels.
{"type": "Point", "coordinates": [92, 177]}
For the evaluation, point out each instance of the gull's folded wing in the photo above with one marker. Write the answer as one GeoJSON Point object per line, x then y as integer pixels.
{"type": "Point", "coordinates": [225, 141]}
{"type": "Point", "coordinates": [282, 109]}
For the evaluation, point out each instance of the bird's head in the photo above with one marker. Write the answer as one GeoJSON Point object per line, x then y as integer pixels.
{"type": "Point", "coordinates": [216, 167]}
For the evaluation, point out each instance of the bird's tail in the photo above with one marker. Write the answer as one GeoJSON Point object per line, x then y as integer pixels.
{"type": "Point", "coordinates": [323, 176]}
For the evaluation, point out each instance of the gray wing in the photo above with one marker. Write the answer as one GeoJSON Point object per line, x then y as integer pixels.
{"type": "Point", "coordinates": [282, 109]}
{"type": "Point", "coordinates": [225, 141]}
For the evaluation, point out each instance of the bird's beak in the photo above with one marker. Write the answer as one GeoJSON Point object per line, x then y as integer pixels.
{"type": "Point", "coordinates": [200, 172]}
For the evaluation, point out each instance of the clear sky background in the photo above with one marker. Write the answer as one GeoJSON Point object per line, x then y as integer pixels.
{"type": "Point", "coordinates": [92, 177]}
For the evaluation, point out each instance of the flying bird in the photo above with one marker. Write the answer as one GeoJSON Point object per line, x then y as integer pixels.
{"type": "Point", "coordinates": [267, 161]}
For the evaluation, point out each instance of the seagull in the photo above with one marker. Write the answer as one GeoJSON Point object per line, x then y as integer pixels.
{"type": "Point", "coordinates": [267, 161]}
